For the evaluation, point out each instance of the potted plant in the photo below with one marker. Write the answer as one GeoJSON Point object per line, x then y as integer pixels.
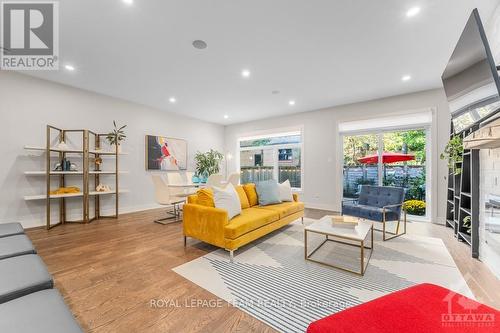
{"type": "Point", "coordinates": [466, 224]}
{"type": "Point", "coordinates": [414, 207]}
{"type": "Point", "coordinates": [116, 136]}
{"type": "Point", "coordinates": [453, 153]}
{"type": "Point", "coordinates": [207, 164]}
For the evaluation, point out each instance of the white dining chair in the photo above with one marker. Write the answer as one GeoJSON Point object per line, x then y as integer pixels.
{"type": "Point", "coordinates": [175, 178]}
{"type": "Point", "coordinates": [179, 179]}
{"type": "Point", "coordinates": [234, 178]}
{"type": "Point", "coordinates": [216, 180]}
{"type": "Point", "coordinates": [189, 176]}
{"type": "Point", "coordinates": [168, 196]}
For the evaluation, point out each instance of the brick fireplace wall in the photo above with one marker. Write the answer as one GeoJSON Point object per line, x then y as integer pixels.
{"type": "Point", "coordinates": [489, 183]}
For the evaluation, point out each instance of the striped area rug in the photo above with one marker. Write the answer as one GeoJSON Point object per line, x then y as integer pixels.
{"type": "Point", "coordinates": [271, 281]}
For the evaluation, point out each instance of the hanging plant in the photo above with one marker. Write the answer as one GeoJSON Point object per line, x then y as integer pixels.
{"type": "Point", "coordinates": [453, 152]}
{"type": "Point", "coordinates": [208, 163]}
{"type": "Point", "coordinates": [117, 135]}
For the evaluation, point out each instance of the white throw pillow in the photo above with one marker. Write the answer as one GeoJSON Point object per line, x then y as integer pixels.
{"type": "Point", "coordinates": [285, 191]}
{"type": "Point", "coordinates": [227, 198]}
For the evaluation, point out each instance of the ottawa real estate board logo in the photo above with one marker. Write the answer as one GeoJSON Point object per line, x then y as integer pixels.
{"type": "Point", "coordinates": [29, 37]}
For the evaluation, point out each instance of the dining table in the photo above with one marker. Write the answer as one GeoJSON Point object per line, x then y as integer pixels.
{"type": "Point", "coordinates": [188, 185]}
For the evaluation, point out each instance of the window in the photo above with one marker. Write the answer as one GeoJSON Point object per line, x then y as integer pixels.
{"type": "Point", "coordinates": [472, 116]}
{"type": "Point", "coordinates": [275, 156]}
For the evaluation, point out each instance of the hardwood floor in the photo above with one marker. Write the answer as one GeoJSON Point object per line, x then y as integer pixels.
{"type": "Point", "coordinates": [110, 270]}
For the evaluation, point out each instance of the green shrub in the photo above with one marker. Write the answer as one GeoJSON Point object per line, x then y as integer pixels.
{"type": "Point", "coordinates": [415, 207]}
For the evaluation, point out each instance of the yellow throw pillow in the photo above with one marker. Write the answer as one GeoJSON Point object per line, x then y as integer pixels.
{"type": "Point", "coordinates": [253, 199]}
{"type": "Point", "coordinates": [206, 197]}
{"type": "Point", "coordinates": [243, 197]}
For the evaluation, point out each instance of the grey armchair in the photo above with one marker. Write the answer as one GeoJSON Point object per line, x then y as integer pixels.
{"type": "Point", "coordinates": [381, 204]}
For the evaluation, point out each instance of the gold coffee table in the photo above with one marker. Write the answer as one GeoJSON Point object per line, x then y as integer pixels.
{"type": "Point", "coordinates": [349, 236]}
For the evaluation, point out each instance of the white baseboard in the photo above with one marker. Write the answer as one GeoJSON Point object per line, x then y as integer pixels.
{"type": "Point", "coordinates": [321, 206]}
{"type": "Point", "coordinates": [31, 221]}
{"type": "Point", "coordinates": [439, 220]}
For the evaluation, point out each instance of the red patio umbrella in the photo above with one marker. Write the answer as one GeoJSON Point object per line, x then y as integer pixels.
{"type": "Point", "coordinates": [386, 158]}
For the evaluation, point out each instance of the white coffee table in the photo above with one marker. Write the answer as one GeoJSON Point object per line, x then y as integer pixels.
{"type": "Point", "coordinates": [350, 237]}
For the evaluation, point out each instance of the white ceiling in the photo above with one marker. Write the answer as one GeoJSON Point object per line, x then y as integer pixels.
{"type": "Point", "coordinates": [319, 53]}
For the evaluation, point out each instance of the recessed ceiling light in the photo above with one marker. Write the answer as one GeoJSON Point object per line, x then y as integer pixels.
{"type": "Point", "coordinates": [172, 100]}
{"type": "Point", "coordinates": [199, 44]}
{"type": "Point", "coordinates": [128, 2]}
{"type": "Point", "coordinates": [226, 116]}
{"type": "Point", "coordinates": [292, 102]}
{"type": "Point", "coordinates": [245, 73]}
{"type": "Point", "coordinates": [69, 67]}
{"type": "Point", "coordinates": [413, 11]}
{"type": "Point", "coordinates": [406, 78]}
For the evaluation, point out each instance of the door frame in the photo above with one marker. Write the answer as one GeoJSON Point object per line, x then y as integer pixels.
{"type": "Point", "coordinates": [428, 159]}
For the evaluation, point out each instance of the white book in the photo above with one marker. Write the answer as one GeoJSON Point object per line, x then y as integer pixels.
{"type": "Point", "coordinates": [344, 222]}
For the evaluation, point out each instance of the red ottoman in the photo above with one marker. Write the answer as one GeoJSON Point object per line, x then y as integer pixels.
{"type": "Point", "coordinates": [424, 308]}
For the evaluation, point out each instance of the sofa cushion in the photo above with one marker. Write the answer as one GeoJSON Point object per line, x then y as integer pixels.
{"type": "Point", "coordinates": [251, 192]}
{"type": "Point", "coordinates": [268, 192]}
{"type": "Point", "coordinates": [368, 212]}
{"type": "Point", "coordinates": [227, 199]}
{"type": "Point", "coordinates": [15, 246]}
{"type": "Point", "coordinates": [205, 197]}
{"type": "Point", "coordinates": [192, 199]}
{"type": "Point", "coordinates": [23, 275]}
{"type": "Point", "coordinates": [249, 219]}
{"type": "Point", "coordinates": [40, 312]}
{"type": "Point", "coordinates": [243, 197]}
{"type": "Point", "coordinates": [10, 229]}
{"type": "Point", "coordinates": [285, 208]}
{"type": "Point", "coordinates": [380, 196]}
{"type": "Point", "coordinates": [285, 191]}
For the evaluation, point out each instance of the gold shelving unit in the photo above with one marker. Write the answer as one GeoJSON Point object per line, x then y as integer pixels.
{"type": "Point", "coordinates": [89, 156]}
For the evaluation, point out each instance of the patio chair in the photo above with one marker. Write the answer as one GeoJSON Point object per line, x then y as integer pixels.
{"type": "Point", "coordinates": [381, 204]}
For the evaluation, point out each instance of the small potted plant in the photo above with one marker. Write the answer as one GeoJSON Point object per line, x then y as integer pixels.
{"type": "Point", "coordinates": [466, 224]}
{"type": "Point", "coordinates": [207, 164]}
{"type": "Point", "coordinates": [116, 136]}
{"type": "Point", "coordinates": [453, 153]}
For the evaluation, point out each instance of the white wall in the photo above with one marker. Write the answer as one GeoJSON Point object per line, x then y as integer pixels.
{"type": "Point", "coordinates": [28, 104]}
{"type": "Point", "coordinates": [489, 246]}
{"type": "Point", "coordinates": [322, 165]}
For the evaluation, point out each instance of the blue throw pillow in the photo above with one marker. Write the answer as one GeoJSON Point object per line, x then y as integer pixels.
{"type": "Point", "coordinates": [268, 192]}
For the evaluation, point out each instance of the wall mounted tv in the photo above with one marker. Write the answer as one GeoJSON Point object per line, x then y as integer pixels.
{"type": "Point", "coordinates": [470, 80]}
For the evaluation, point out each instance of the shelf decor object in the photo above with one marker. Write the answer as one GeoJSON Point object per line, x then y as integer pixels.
{"type": "Point", "coordinates": [87, 191]}
{"type": "Point", "coordinates": [462, 207]}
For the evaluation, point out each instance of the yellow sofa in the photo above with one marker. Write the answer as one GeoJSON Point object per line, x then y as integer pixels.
{"type": "Point", "coordinates": [201, 220]}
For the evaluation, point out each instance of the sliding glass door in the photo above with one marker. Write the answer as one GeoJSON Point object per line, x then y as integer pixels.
{"type": "Point", "coordinates": [387, 158]}
{"type": "Point", "coordinates": [356, 173]}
